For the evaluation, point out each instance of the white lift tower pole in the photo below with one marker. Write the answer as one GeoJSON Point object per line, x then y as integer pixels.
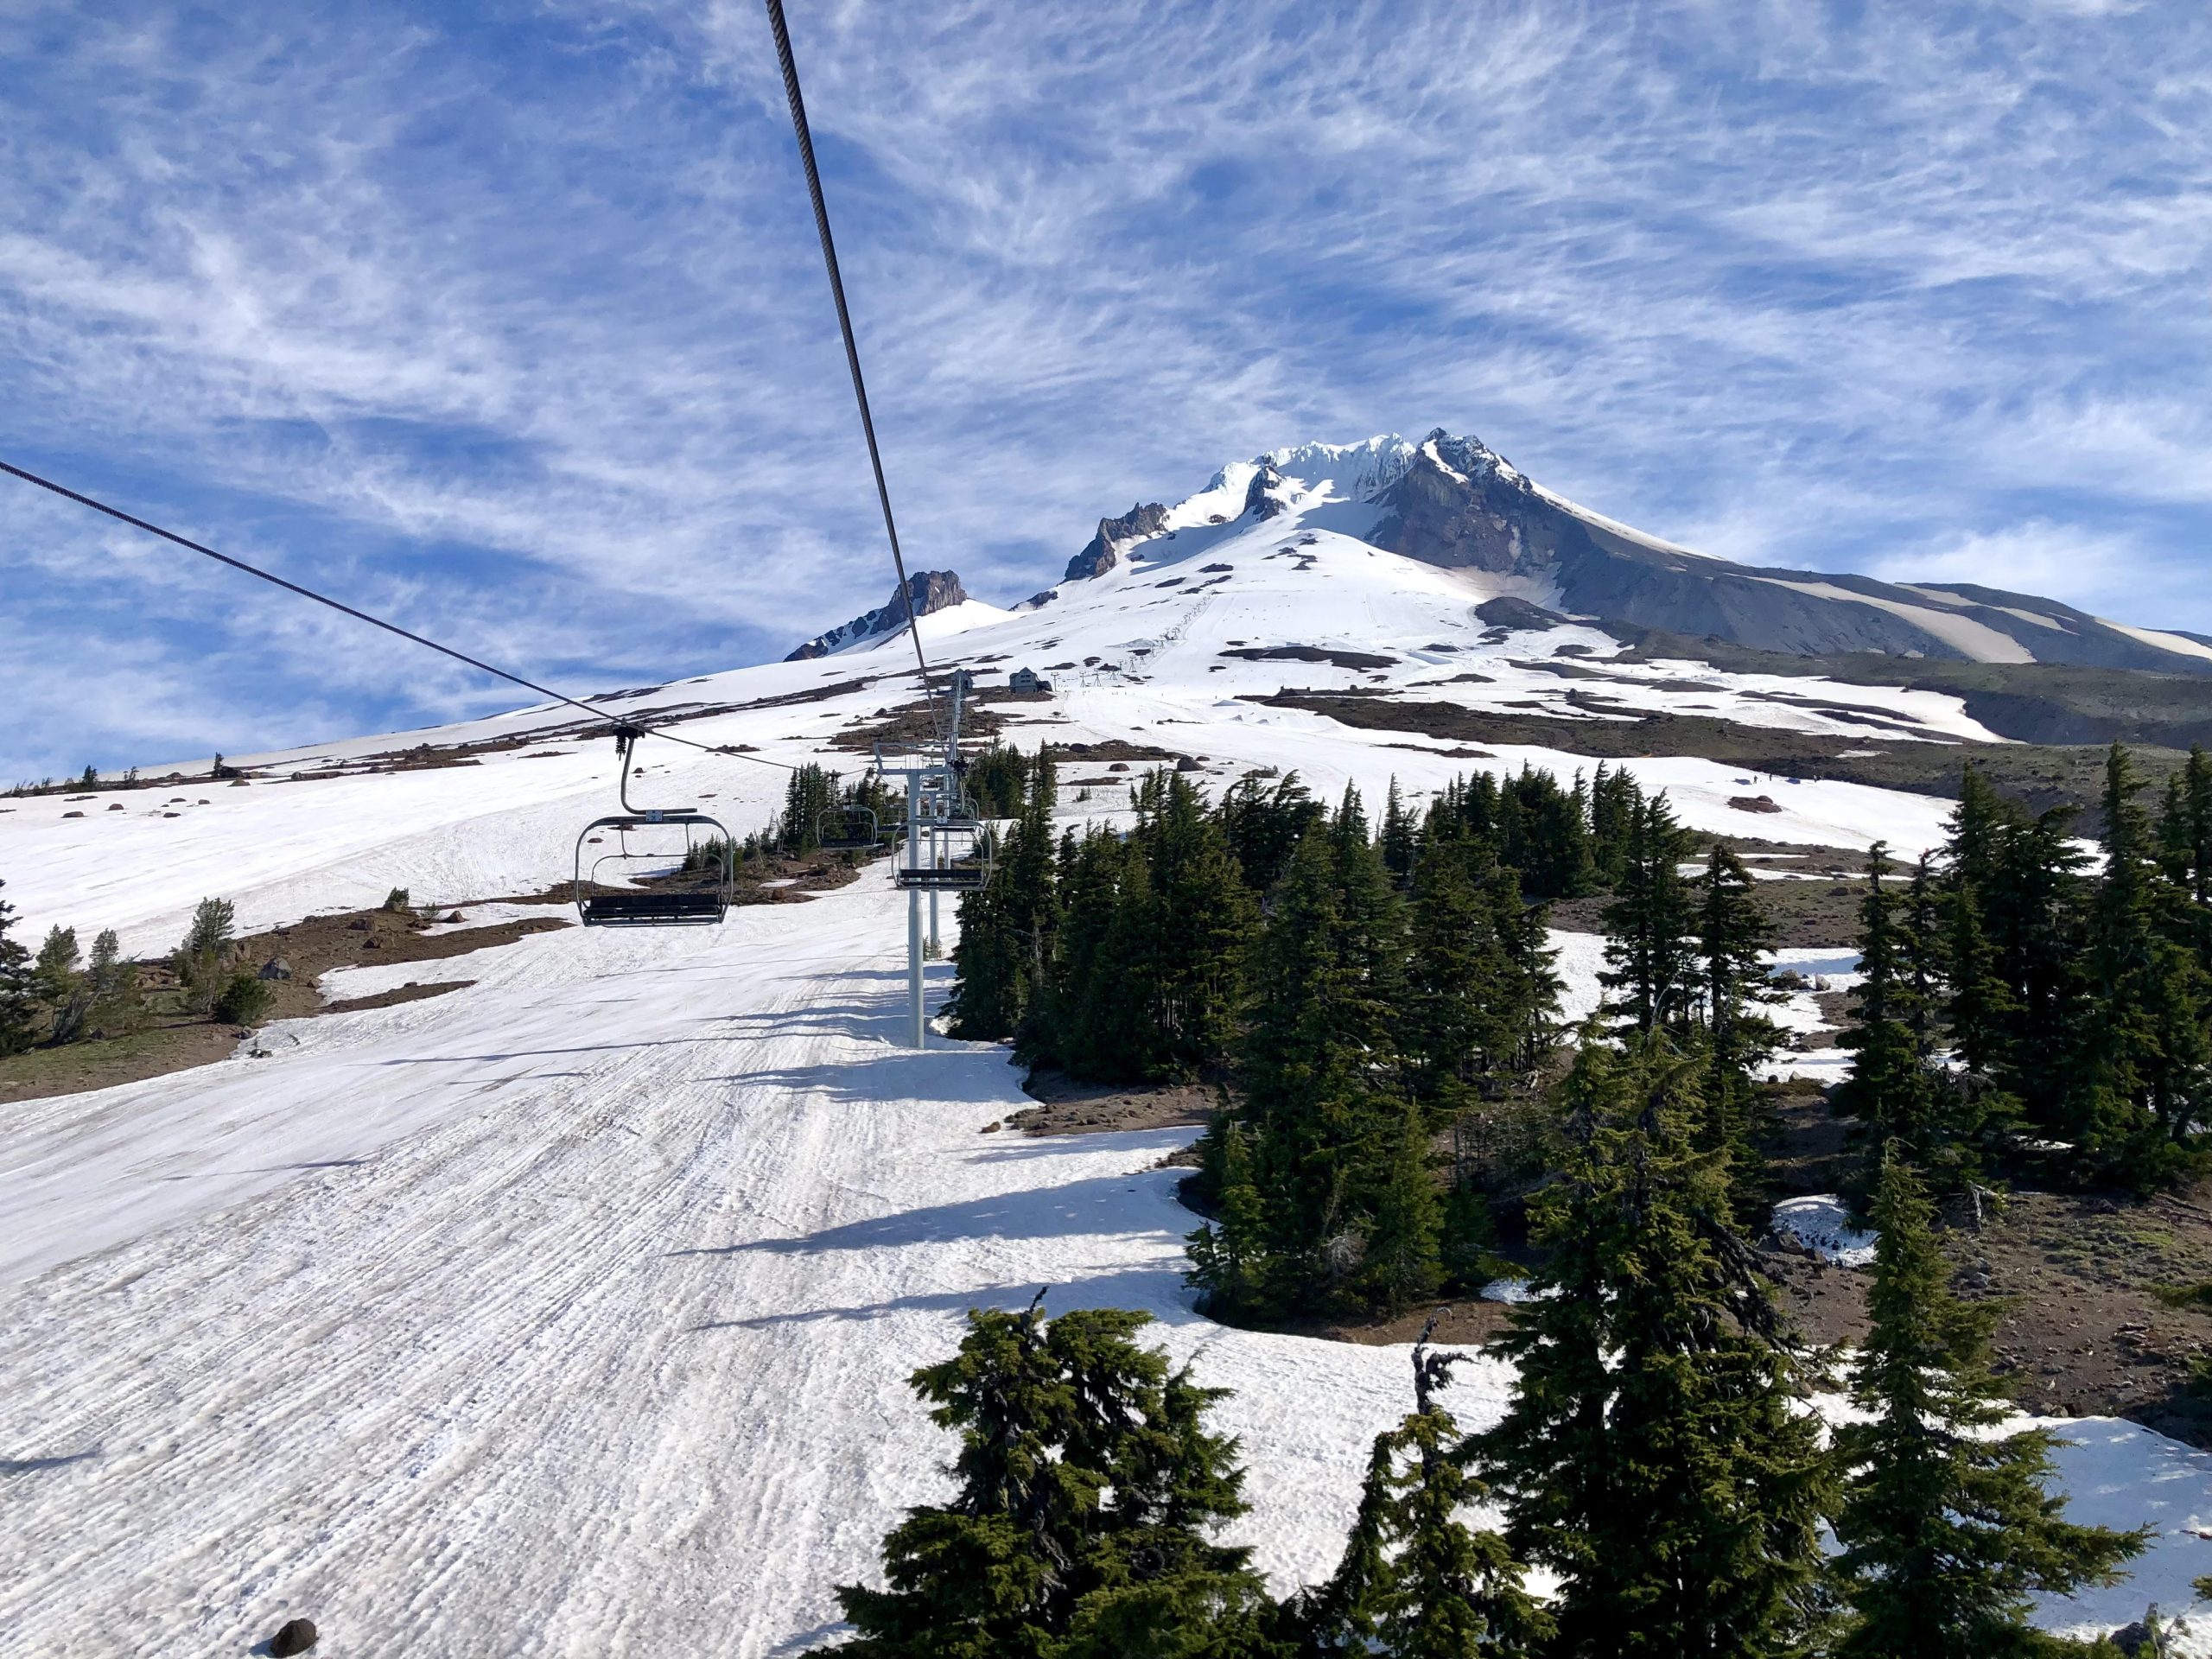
{"type": "Point", "coordinates": [946, 848]}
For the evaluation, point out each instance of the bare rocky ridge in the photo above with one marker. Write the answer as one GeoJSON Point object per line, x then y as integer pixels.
{"type": "Point", "coordinates": [1104, 550]}
{"type": "Point", "coordinates": [932, 591]}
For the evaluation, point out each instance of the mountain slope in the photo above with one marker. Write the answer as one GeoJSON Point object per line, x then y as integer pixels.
{"type": "Point", "coordinates": [1452, 503]}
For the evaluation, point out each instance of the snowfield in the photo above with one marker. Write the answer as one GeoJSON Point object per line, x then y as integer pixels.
{"type": "Point", "coordinates": [571, 1312]}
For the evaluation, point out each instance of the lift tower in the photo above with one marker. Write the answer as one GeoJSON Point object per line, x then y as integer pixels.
{"type": "Point", "coordinates": [948, 849]}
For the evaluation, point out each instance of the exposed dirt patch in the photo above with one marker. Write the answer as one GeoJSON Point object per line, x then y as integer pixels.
{"type": "Point", "coordinates": [412, 991]}
{"type": "Point", "coordinates": [101, 1063]}
{"type": "Point", "coordinates": [1067, 1107]}
{"type": "Point", "coordinates": [173, 1042]}
{"type": "Point", "coordinates": [911, 722]}
{"type": "Point", "coordinates": [2040, 776]}
{"type": "Point", "coordinates": [2083, 1330]}
{"type": "Point", "coordinates": [1807, 915]}
{"type": "Point", "coordinates": [1336, 658]}
{"type": "Point", "coordinates": [1468, 1322]}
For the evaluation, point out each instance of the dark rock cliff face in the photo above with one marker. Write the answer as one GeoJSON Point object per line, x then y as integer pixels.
{"type": "Point", "coordinates": [1260, 500]}
{"type": "Point", "coordinates": [1458, 505]}
{"type": "Point", "coordinates": [930, 590]}
{"type": "Point", "coordinates": [1104, 552]}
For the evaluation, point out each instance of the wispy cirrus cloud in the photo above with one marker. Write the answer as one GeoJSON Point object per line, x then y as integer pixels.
{"type": "Point", "coordinates": [515, 324]}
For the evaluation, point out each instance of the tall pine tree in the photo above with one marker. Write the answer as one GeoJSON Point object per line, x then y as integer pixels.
{"type": "Point", "coordinates": [1893, 1091]}
{"type": "Point", "coordinates": [1651, 1455]}
{"type": "Point", "coordinates": [1735, 945]}
{"type": "Point", "coordinates": [18, 993]}
{"type": "Point", "coordinates": [1945, 1524]}
{"type": "Point", "coordinates": [1417, 1581]}
{"type": "Point", "coordinates": [1651, 926]}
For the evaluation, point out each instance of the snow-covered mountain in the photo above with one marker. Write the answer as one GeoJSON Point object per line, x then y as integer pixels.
{"type": "Point", "coordinates": [1454, 503]}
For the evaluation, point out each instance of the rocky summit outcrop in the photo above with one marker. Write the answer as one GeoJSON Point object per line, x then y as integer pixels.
{"type": "Point", "coordinates": [1262, 497]}
{"type": "Point", "coordinates": [1457, 504]}
{"type": "Point", "coordinates": [1104, 552]}
{"type": "Point", "coordinates": [930, 590]}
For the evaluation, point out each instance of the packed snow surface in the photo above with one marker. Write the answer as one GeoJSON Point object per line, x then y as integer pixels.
{"type": "Point", "coordinates": [571, 1312]}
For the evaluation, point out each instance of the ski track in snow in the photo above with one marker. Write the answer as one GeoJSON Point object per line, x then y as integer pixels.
{"type": "Point", "coordinates": [571, 1312]}
{"type": "Point", "coordinates": [602, 1347]}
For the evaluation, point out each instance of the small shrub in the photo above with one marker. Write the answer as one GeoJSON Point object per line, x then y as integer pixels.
{"type": "Point", "coordinates": [243, 1001]}
{"type": "Point", "coordinates": [396, 901]}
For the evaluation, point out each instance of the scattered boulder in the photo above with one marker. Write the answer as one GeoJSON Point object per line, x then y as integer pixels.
{"type": "Point", "coordinates": [1119, 766]}
{"type": "Point", "coordinates": [1754, 804]}
{"type": "Point", "coordinates": [275, 968]}
{"type": "Point", "coordinates": [294, 1636]}
{"type": "Point", "coordinates": [1188, 764]}
{"type": "Point", "coordinates": [358, 924]}
{"type": "Point", "coordinates": [115, 806]}
{"type": "Point", "coordinates": [72, 815]}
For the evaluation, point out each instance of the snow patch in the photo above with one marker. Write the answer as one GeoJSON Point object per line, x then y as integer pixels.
{"type": "Point", "coordinates": [1822, 1223]}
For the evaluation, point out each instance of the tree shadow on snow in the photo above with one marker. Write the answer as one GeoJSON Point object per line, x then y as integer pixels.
{"type": "Point", "coordinates": [1157, 1290]}
{"type": "Point", "coordinates": [1099, 1204]}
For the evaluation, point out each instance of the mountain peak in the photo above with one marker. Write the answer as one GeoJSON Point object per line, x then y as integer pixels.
{"type": "Point", "coordinates": [932, 591]}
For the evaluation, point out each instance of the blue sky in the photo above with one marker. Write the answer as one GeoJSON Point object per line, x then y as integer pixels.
{"type": "Point", "coordinates": [511, 323]}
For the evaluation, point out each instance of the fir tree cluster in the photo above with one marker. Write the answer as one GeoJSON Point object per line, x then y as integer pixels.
{"type": "Point", "coordinates": [1654, 1458]}
{"type": "Point", "coordinates": [57, 994]}
{"type": "Point", "coordinates": [1366, 985]}
{"type": "Point", "coordinates": [2018, 995]}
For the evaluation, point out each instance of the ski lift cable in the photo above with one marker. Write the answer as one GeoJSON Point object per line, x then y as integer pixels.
{"type": "Point", "coordinates": [789, 68]}
{"type": "Point", "coordinates": [375, 621]}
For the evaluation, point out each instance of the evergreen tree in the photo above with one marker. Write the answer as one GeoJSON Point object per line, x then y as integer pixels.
{"type": "Point", "coordinates": [2141, 1054]}
{"type": "Point", "coordinates": [18, 994]}
{"type": "Point", "coordinates": [1400, 1264]}
{"type": "Point", "coordinates": [1465, 1019]}
{"type": "Point", "coordinates": [1615, 798]}
{"type": "Point", "coordinates": [1065, 1027]}
{"type": "Point", "coordinates": [1735, 942]}
{"type": "Point", "coordinates": [1650, 1456]}
{"type": "Point", "coordinates": [1262, 826]}
{"type": "Point", "coordinates": [1651, 926]}
{"type": "Point", "coordinates": [1396, 842]}
{"type": "Point", "coordinates": [1194, 928]}
{"type": "Point", "coordinates": [1945, 1525]}
{"type": "Point", "coordinates": [2185, 853]}
{"type": "Point", "coordinates": [201, 960]}
{"type": "Point", "coordinates": [1228, 1263]}
{"type": "Point", "coordinates": [1893, 1090]}
{"type": "Point", "coordinates": [1088, 1484]}
{"type": "Point", "coordinates": [1321, 1058]}
{"type": "Point", "coordinates": [2031, 906]}
{"type": "Point", "coordinates": [60, 986]}
{"type": "Point", "coordinates": [986, 1003]}
{"type": "Point", "coordinates": [809, 796]}
{"type": "Point", "coordinates": [116, 1005]}
{"type": "Point", "coordinates": [1416, 1581]}
{"type": "Point", "coordinates": [1008, 928]}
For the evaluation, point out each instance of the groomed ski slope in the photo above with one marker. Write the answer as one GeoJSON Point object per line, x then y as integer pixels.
{"type": "Point", "coordinates": [569, 1314]}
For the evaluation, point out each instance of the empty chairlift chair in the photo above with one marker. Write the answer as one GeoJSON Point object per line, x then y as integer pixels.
{"type": "Point", "coordinates": [657, 828]}
{"type": "Point", "coordinates": [848, 829]}
{"type": "Point", "coordinates": [949, 854]}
